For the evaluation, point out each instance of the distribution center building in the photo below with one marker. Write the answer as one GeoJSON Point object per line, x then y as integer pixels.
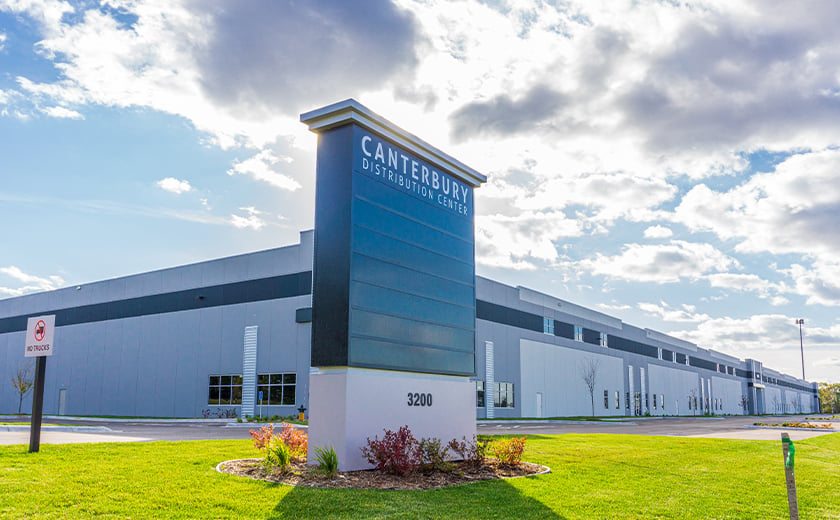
{"type": "Point", "coordinates": [217, 335]}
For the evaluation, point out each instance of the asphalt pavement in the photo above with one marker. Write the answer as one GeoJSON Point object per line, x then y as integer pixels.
{"type": "Point", "coordinates": [59, 430]}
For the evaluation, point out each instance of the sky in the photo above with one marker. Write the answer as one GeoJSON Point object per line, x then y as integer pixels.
{"type": "Point", "coordinates": [672, 164]}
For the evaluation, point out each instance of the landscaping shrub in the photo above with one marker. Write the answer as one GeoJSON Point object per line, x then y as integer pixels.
{"type": "Point", "coordinates": [471, 451]}
{"type": "Point", "coordinates": [263, 436]}
{"type": "Point", "coordinates": [280, 448]}
{"type": "Point", "coordinates": [433, 455]}
{"type": "Point", "coordinates": [509, 451]}
{"type": "Point", "coordinates": [296, 440]}
{"type": "Point", "coordinates": [327, 460]}
{"type": "Point", "coordinates": [278, 455]}
{"type": "Point", "coordinates": [396, 453]}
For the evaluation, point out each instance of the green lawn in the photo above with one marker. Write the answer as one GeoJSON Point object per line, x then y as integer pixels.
{"type": "Point", "coordinates": [593, 476]}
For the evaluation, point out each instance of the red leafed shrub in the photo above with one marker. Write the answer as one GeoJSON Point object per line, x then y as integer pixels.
{"type": "Point", "coordinates": [262, 437]}
{"type": "Point", "coordinates": [398, 452]}
{"type": "Point", "coordinates": [296, 440]}
{"type": "Point", "coordinates": [471, 451]}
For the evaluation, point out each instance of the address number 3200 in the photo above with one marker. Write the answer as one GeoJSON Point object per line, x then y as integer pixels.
{"type": "Point", "coordinates": [419, 399]}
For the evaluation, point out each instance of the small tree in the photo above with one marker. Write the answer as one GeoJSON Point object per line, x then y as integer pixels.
{"type": "Point", "coordinates": [23, 381]}
{"type": "Point", "coordinates": [589, 374]}
{"type": "Point", "coordinates": [692, 400]}
{"type": "Point", "coordinates": [829, 397]}
{"type": "Point", "coordinates": [744, 403]}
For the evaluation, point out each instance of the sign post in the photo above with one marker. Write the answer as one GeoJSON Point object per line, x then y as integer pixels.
{"type": "Point", "coordinates": [790, 479]}
{"type": "Point", "coordinates": [39, 343]}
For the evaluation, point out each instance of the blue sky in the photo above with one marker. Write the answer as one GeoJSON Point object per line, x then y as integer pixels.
{"type": "Point", "coordinates": [673, 164]}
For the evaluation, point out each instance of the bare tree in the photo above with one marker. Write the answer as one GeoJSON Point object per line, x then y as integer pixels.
{"type": "Point", "coordinates": [692, 400]}
{"type": "Point", "coordinates": [775, 404]}
{"type": "Point", "coordinates": [589, 374]}
{"type": "Point", "coordinates": [23, 380]}
{"type": "Point", "coordinates": [744, 403]}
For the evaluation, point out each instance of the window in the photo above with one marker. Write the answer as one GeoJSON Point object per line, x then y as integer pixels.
{"type": "Point", "coordinates": [225, 390]}
{"type": "Point", "coordinates": [606, 399]}
{"type": "Point", "coordinates": [689, 403]}
{"type": "Point", "coordinates": [627, 400]}
{"type": "Point", "coordinates": [662, 401]}
{"type": "Point", "coordinates": [617, 400]}
{"type": "Point", "coordinates": [548, 326]}
{"type": "Point", "coordinates": [647, 402]}
{"type": "Point", "coordinates": [578, 333]}
{"type": "Point", "coordinates": [604, 341]}
{"type": "Point", "coordinates": [277, 389]}
{"type": "Point", "coordinates": [479, 393]}
{"type": "Point", "coordinates": [504, 395]}
{"type": "Point", "coordinates": [654, 401]}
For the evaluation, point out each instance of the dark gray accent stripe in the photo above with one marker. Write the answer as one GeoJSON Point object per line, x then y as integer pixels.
{"type": "Point", "coordinates": [507, 316]}
{"type": "Point", "coordinates": [628, 345]}
{"type": "Point", "coordinates": [702, 363]}
{"type": "Point", "coordinates": [284, 286]}
{"type": "Point", "coordinates": [564, 330]}
{"type": "Point", "coordinates": [593, 337]}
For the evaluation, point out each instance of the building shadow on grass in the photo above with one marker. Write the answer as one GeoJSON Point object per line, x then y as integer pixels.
{"type": "Point", "coordinates": [489, 499]}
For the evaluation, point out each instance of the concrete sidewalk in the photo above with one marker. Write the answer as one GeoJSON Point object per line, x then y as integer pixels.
{"type": "Point", "coordinates": [65, 437]}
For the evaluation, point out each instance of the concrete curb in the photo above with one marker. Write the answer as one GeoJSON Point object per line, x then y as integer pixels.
{"type": "Point", "coordinates": [553, 421]}
{"type": "Point", "coordinates": [74, 429]}
{"type": "Point", "coordinates": [260, 425]}
{"type": "Point", "coordinates": [818, 430]}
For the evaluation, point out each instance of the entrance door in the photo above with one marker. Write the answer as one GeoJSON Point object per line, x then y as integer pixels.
{"type": "Point", "coordinates": [62, 400]}
{"type": "Point", "coordinates": [539, 404]}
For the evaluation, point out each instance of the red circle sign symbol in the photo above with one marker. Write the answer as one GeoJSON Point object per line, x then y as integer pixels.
{"type": "Point", "coordinates": [40, 330]}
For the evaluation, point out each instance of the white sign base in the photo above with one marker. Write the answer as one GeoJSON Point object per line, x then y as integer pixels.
{"type": "Point", "coordinates": [349, 405]}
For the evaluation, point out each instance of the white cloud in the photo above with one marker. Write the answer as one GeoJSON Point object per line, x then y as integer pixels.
{"type": "Point", "coordinates": [828, 362]}
{"type": "Point", "coordinates": [522, 242]}
{"type": "Point", "coordinates": [786, 211]}
{"type": "Point", "coordinates": [174, 185]}
{"type": "Point", "coordinates": [684, 314]}
{"type": "Point", "coordinates": [613, 307]}
{"type": "Point", "coordinates": [251, 220]}
{"type": "Point", "coordinates": [2, 41]}
{"type": "Point", "coordinates": [31, 283]}
{"type": "Point", "coordinates": [262, 168]}
{"type": "Point", "coordinates": [820, 283]}
{"type": "Point", "coordinates": [62, 113]}
{"type": "Point", "coordinates": [748, 283]}
{"type": "Point", "coordinates": [658, 232]}
{"type": "Point", "coordinates": [660, 263]}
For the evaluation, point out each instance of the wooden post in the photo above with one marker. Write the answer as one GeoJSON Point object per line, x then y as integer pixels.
{"type": "Point", "coordinates": [790, 480]}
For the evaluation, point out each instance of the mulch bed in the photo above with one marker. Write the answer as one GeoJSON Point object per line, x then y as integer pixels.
{"type": "Point", "coordinates": [300, 474]}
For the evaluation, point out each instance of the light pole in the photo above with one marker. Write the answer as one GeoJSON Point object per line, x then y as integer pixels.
{"type": "Point", "coordinates": [801, 322]}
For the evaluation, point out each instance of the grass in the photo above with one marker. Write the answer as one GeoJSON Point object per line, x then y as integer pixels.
{"type": "Point", "coordinates": [593, 476]}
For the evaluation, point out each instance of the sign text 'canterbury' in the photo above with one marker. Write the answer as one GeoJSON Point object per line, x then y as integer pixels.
{"type": "Point", "coordinates": [393, 166]}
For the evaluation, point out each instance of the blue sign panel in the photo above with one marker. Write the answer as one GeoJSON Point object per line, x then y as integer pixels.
{"type": "Point", "coordinates": [412, 269]}
{"type": "Point", "coordinates": [394, 274]}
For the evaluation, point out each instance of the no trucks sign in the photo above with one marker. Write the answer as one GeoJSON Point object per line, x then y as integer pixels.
{"type": "Point", "coordinates": [39, 336]}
